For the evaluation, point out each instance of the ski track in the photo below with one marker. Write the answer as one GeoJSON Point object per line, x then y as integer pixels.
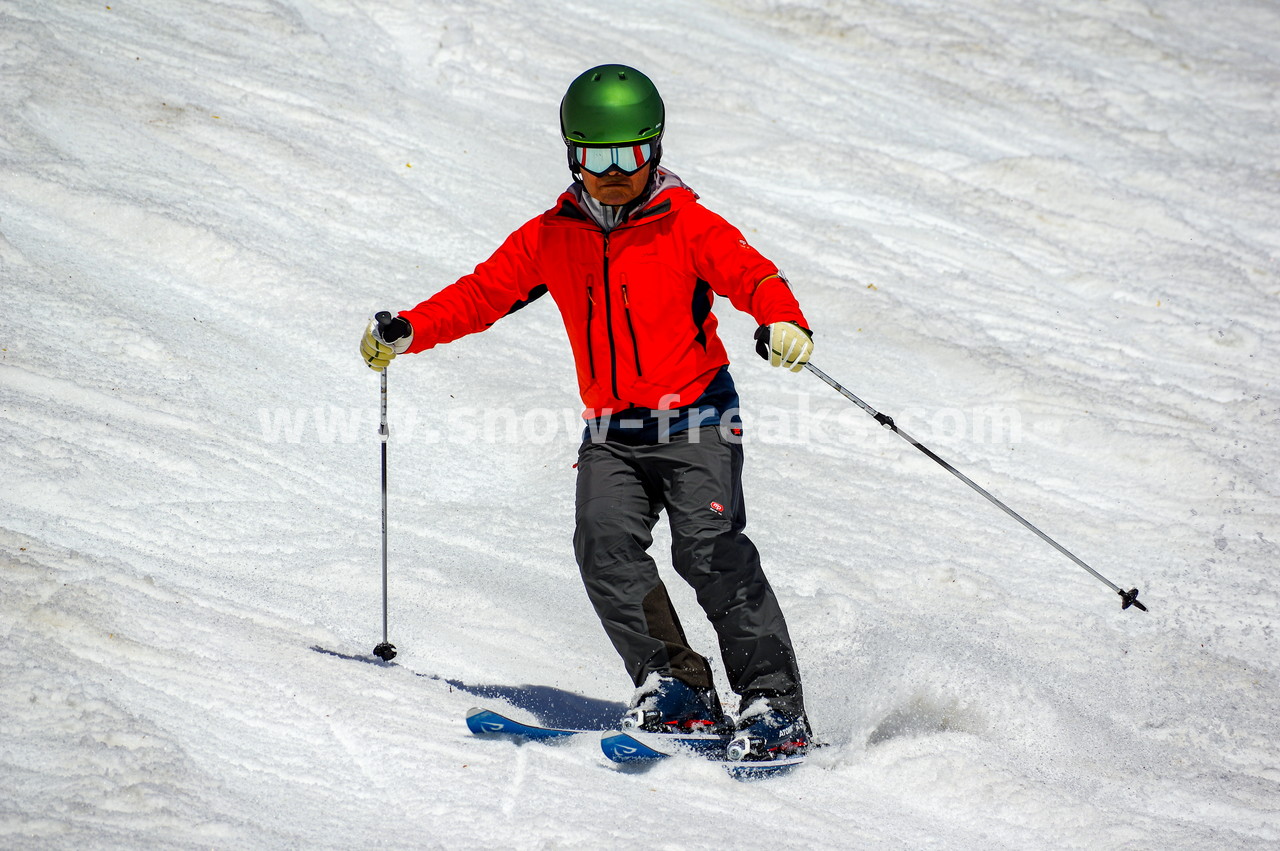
{"type": "Point", "coordinates": [1042, 236]}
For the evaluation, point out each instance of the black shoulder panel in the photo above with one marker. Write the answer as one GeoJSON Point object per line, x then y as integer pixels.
{"type": "Point", "coordinates": [656, 210]}
{"type": "Point", "coordinates": [570, 211]}
{"type": "Point", "coordinates": [534, 294]}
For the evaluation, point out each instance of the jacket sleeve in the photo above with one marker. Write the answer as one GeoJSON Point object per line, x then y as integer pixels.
{"type": "Point", "coordinates": [725, 260]}
{"type": "Point", "coordinates": [504, 283]}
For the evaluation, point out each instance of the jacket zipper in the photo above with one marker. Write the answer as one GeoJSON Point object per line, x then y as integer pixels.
{"type": "Point", "coordinates": [635, 345]}
{"type": "Point", "coordinates": [591, 305]}
{"type": "Point", "coordinates": [608, 322]}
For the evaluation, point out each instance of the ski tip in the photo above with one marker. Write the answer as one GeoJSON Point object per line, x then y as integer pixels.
{"type": "Point", "coordinates": [476, 718]}
{"type": "Point", "coordinates": [622, 747]}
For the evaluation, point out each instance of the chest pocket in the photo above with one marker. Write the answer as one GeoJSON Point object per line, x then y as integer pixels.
{"type": "Point", "coordinates": [660, 317]}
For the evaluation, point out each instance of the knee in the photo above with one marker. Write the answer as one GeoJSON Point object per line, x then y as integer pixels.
{"type": "Point", "coordinates": [603, 534]}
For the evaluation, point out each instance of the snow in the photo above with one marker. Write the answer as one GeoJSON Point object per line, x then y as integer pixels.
{"type": "Point", "coordinates": [1043, 236]}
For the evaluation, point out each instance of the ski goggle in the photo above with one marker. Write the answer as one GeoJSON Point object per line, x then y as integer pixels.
{"type": "Point", "coordinates": [627, 159]}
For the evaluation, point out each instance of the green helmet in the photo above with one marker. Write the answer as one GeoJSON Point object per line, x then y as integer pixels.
{"type": "Point", "coordinates": [611, 105]}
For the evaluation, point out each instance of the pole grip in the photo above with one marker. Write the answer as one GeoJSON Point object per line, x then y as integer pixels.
{"type": "Point", "coordinates": [383, 318]}
{"type": "Point", "coordinates": [391, 327]}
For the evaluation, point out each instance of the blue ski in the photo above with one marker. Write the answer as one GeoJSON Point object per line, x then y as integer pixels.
{"type": "Point", "coordinates": [635, 748]}
{"type": "Point", "coordinates": [486, 722]}
{"type": "Point", "coordinates": [640, 748]}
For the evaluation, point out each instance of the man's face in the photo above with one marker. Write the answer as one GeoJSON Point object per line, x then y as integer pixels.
{"type": "Point", "coordinates": [616, 188]}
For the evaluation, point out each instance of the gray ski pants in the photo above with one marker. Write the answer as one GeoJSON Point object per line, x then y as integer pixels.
{"type": "Point", "coordinates": [697, 479]}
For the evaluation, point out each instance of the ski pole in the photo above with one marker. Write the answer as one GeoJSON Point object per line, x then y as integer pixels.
{"type": "Point", "coordinates": [1129, 598]}
{"type": "Point", "coordinates": [386, 651]}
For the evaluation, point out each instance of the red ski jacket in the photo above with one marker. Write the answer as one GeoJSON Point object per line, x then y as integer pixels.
{"type": "Point", "coordinates": [636, 302]}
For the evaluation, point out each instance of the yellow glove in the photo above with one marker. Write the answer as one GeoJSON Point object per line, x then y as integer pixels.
{"type": "Point", "coordinates": [382, 342]}
{"type": "Point", "coordinates": [784, 344]}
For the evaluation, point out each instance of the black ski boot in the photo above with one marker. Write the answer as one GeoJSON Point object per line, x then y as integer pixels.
{"type": "Point", "coordinates": [668, 705]}
{"type": "Point", "coordinates": [765, 733]}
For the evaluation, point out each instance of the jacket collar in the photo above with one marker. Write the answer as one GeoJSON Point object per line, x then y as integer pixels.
{"type": "Point", "coordinates": [666, 192]}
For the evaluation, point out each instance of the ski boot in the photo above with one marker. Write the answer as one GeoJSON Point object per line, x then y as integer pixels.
{"type": "Point", "coordinates": [667, 705]}
{"type": "Point", "coordinates": [765, 733]}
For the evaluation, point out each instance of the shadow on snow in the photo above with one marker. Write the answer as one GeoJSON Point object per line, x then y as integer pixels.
{"type": "Point", "coordinates": [552, 706]}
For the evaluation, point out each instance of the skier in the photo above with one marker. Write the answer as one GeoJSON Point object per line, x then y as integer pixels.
{"type": "Point", "coordinates": [633, 262]}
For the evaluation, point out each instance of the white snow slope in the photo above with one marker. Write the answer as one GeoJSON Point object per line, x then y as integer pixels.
{"type": "Point", "coordinates": [1043, 235]}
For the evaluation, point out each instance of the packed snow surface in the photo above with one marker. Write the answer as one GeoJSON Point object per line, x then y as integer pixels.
{"type": "Point", "coordinates": [1042, 235]}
